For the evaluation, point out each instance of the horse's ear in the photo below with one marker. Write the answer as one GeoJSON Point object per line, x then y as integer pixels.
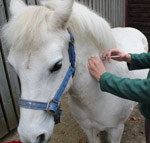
{"type": "Point", "coordinates": [16, 6]}
{"type": "Point", "coordinates": [62, 13]}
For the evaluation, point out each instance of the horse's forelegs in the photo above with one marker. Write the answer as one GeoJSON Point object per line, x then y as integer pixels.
{"type": "Point", "coordinates": [92, 135]}
{"type": "Point", "coordinates": [115, 134]}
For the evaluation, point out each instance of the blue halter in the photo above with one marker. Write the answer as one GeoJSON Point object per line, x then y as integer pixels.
{"type": "Point", "coordinates": [54, 105]}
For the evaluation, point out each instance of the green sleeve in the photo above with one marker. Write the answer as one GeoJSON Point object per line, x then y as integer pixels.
{"type": "Point", "coordinates": [139, 61]}
{"type": "Point", "coordinates": [133, 89]}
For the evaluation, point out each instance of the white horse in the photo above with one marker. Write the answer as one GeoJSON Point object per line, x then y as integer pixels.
{"type": "Point", "coordinates": [38, 41]}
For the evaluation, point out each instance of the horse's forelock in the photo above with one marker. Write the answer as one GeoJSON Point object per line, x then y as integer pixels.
{"type": "Point", "coordinates": [28, 28]}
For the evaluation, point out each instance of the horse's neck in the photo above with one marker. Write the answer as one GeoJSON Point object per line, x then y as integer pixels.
{"type": "Point", "coordinates": [92, 38]}
{"type": "Point", "coordinates": [84, 86]}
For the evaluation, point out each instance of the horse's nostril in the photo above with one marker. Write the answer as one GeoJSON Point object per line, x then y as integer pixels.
{"type": "Point", "coordinates": [41, 138]}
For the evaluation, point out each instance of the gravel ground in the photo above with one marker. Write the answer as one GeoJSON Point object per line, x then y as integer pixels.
{"type": "Point", "coordinates": [68, 131]}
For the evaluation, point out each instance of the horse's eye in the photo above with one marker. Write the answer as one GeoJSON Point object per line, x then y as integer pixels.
{"type": "Point", "coordinates": [56, 67]}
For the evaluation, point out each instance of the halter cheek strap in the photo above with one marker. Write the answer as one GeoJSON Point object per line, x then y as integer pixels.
{"type": "Point", "coordinates": [54, 105]}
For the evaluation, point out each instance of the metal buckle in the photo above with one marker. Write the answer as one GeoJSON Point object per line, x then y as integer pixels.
{"type": "Point", "coordinates": [48, 105]}
{"type": "Point", "coordinates": [71, 41]}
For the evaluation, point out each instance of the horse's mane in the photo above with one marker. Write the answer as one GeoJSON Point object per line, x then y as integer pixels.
{"type": "Point", "coordinates": [31, 26]}
{"type": "Point", "coordinates": [85, 22]}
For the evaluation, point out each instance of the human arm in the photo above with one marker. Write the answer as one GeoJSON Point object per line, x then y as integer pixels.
{"type": "Point", "coordinates": [139, 61]}
{"type": "Point", "coordinates": [134, 61]}
{"type": "Point", "coordinates": [133, 89]}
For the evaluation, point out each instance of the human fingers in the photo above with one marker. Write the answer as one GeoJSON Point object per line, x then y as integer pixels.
{"type": "Point", "coordinates": [114, 52]}
{"type": "Point", "coordinates": [90, 63]}
{"type": "Point", "coordinates": [109, 55]}
{"type": "Point", "coordinates": [104, 56]}
{"type": "Point", "coordinates": [93, 61]}
{"type": "Point", "coordinates": [96, 67]}
{"type": "Point", "coordinates": [92, 67]}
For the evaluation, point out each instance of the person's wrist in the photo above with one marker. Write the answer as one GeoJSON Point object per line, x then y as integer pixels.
{"type": "Point", "coordinates": [101, 75]}
{"type": "Point", "coordinates": [127, 58]}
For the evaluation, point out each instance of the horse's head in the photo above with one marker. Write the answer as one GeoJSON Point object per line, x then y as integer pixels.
{"type": "Point", "coordinates": [39, 41]}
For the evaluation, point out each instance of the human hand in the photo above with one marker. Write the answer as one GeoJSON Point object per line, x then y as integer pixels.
{"type": "Point", "coordinates": [122, 56]}
{"type": "Point", "coordinates": [96, 67]}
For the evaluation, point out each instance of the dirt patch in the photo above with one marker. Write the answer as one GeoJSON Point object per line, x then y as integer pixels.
{"type": "Point", "coordinates": [68, 131]}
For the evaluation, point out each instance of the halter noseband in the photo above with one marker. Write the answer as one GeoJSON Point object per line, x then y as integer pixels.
{"type": "Point", "coordinates": [54, 105]}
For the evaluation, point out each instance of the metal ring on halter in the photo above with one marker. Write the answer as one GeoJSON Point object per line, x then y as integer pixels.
{"type": "Point", "coordinates": [47, 107]}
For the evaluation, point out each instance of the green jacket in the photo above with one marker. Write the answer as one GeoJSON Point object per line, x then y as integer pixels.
{"type": "Point", "coordinates": [133, 89]}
